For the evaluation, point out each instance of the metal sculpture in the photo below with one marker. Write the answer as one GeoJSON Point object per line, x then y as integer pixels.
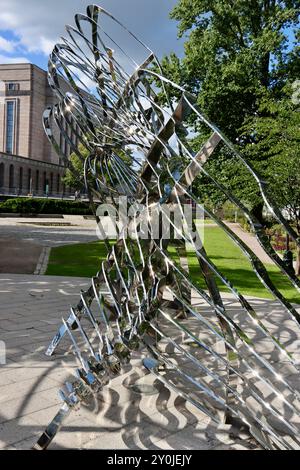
{"type": "Point", "coordinates": [134, 140]}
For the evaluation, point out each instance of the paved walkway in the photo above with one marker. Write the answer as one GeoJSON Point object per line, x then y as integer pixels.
{"type": "Point", "coordinates": [248, 238]}
{"type": "Point", "coordinates": [49, 232]}
{"type": "Point", "coordinates": [30, 313]}
{"type": "Point", "coordinates": [251, 241]}
{"type": "Point", "coordinates": [22, 239]}
{"type": "Point", "coordinates": [18, 256]}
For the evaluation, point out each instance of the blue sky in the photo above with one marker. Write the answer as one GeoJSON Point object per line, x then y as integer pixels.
{"type": "Point", "coordinates": [29, 30]}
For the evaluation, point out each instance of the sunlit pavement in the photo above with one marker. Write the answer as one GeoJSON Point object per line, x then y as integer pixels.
{"type": "Point", "coordinates": [22, 240]}
{"type": "Point", "coordinates": [49, 231]}
{"type": "Point", "coordinates": [30, 313]}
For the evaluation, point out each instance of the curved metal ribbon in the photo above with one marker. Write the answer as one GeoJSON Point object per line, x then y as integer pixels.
{"type": "Point", "coordinates": [110, 114]}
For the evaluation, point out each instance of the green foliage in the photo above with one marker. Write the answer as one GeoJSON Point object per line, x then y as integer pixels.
{"type": "Point", "coordinates": [234, 52]}
{"type": "Point", "coordinates": [230, 213]}
{"type": "Point", "coordinates": [44, 206]}
{"type": "Point", "coordinates": [74, 176]}
{"type": "Point", "coordinates": [239, 57]}
{"type": "Point", "coordinates": [276, 134]}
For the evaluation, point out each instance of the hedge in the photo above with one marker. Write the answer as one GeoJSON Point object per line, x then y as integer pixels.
{"type": "Point", "coordinates": [44, 206]}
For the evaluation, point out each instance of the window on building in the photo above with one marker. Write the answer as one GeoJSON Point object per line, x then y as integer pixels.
{"type": "Point", "coordinates": [11, 177]}
{"type": "Point", "coordinates": [71, 135]}
{"type": "Point", "coordinates": [76, 136]}
{"type": "Point", "coordinates": [29, 180]}
{"type": "Point", "coordinates": [61, 139]}
{"type": "Point", "coordinates": [66, 151]}
{"type": "Point", "coordinates": [61, 142]}
{"type": "Point", "coordinates": [45, 183]}
{"type": "Point", "coordinates": [37, 180]}
{"type": "Point", "coordinates": [57, 183]}
{"type": "Point", "coordinates": [21, 179]}
{"type": "Point", "coordinates": [2, 175]}
{"type": "Point", "coordinates": [51, 183]}
{"type": "Point", "coordinates": [10, 126]}
{"type": "Point", "coordinates": [13, 86]}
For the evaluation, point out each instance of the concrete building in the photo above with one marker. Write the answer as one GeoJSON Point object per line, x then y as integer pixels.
{"type": "Point", "coordinates": [28, 163]}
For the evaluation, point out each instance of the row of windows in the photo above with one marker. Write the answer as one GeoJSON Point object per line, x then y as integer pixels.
{"type": "Point", "coordinates": [50, 183]}
{"type": "Point", "coordinates": [64, 145]}
{"type": "Point", "coordinates": [10, 130]}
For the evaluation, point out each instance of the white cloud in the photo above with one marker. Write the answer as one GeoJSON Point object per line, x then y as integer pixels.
{"type": "Point", "coordinates": [13, 60]}
{"type": "Point", "coordinates": [46, 45]}
{"type": "Point", "coordinates": [7, 46]}
{"type": "Point", "coordinates": [39, 24]}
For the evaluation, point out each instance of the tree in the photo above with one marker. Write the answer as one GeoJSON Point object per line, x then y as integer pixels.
{"type": "Point", "coordinates": [238, 53]}
{"type": "Point", "coordinates": [277, 133]}
{"type": "Point", "coordinates": [74, 174]}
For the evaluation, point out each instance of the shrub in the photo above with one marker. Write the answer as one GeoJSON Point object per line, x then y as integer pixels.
{"type": "Point", "coordinates": [44, 206]}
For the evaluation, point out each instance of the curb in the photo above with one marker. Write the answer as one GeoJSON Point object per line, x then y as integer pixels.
{"type": "Point", "coordinates": [19, 215]}
{"type": "Point", "coordinates": [42, 264]}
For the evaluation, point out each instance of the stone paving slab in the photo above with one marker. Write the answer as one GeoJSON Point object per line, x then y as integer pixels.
{"type": "Point", "coordinates": [18, 256]}
{"type": "Point", "coordinates": [30, 312]}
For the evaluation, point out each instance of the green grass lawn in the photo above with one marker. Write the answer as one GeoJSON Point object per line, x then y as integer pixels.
{"type": "Point", "coordinates": [84, 260]}
{"type": "Point", "coordinates": [205, 221]}
{"type": "Point", "coordinates": [81, 260]}
{"type": "Point", "coordinates": [231, 261]}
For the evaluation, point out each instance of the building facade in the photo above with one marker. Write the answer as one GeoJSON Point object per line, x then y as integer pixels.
{"type": "Point", "coordinates": [28, 162]}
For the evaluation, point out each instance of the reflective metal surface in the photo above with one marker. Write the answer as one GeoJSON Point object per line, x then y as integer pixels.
{"type": "Point", "coordinates": [134, 141]}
